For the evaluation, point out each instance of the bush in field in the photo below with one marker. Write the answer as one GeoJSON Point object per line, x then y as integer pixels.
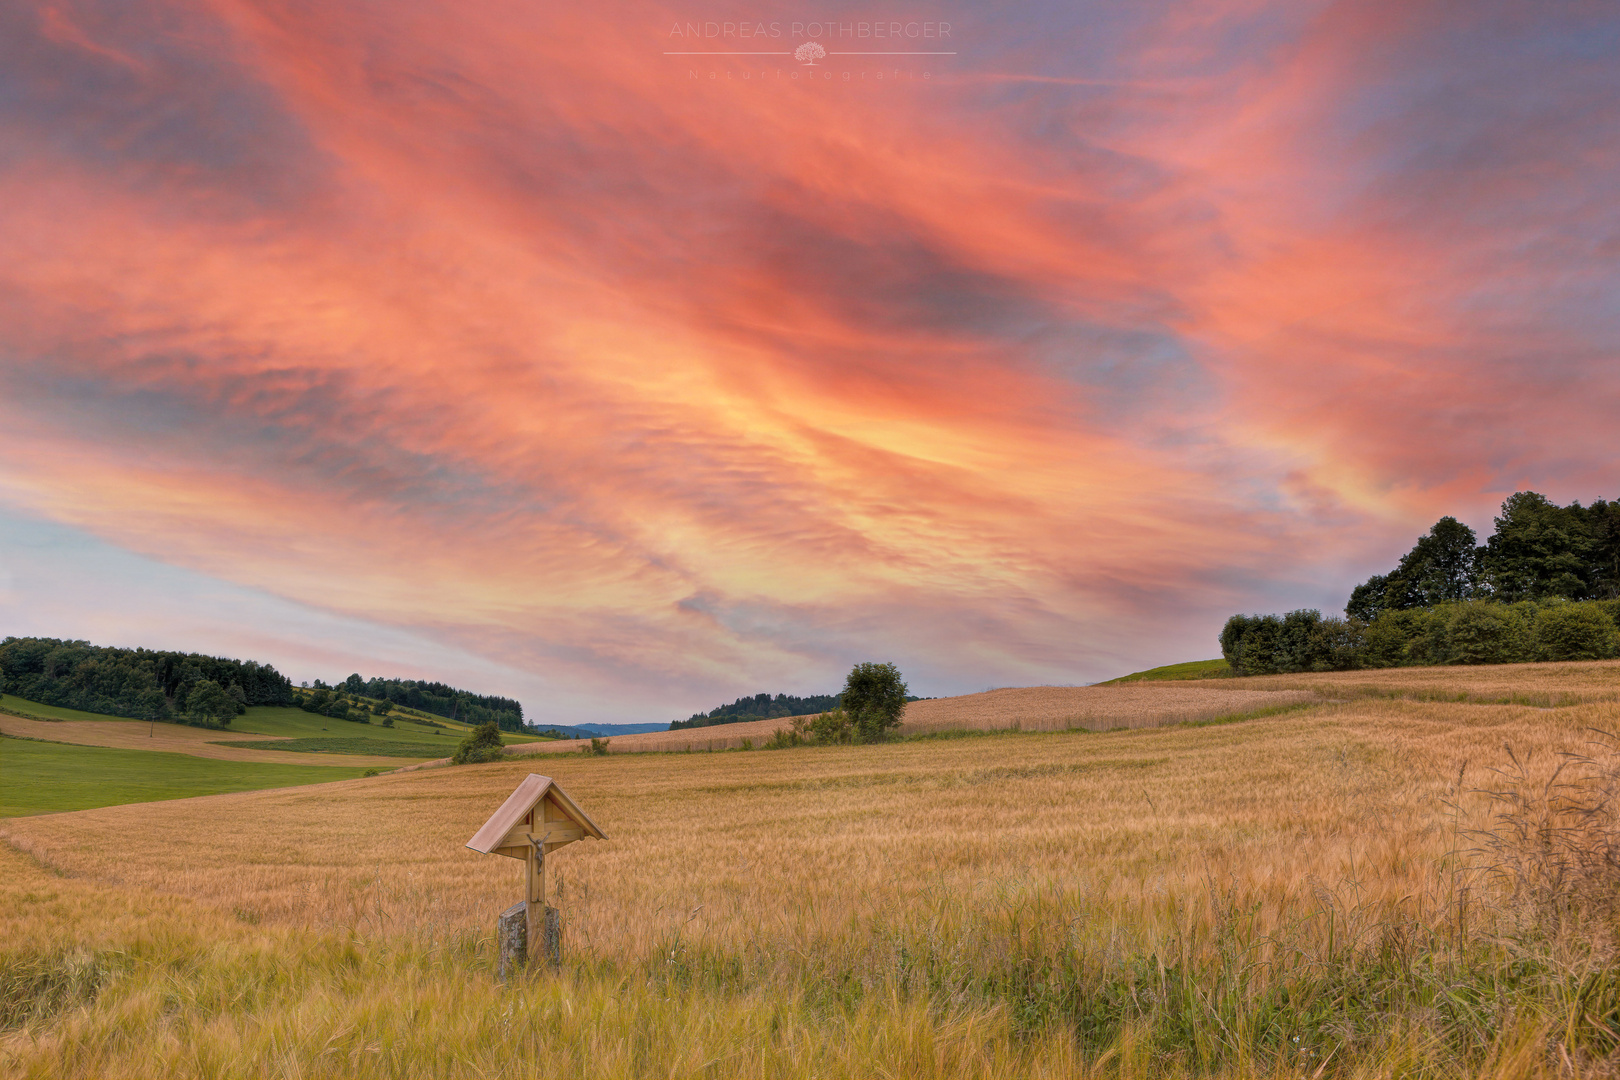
{"type": "Point", "coordinates": [875, 699]}
{"type": "Point", "coordinates": [1576, 632]}
{"type": "Point", "coordinates": [832, 727]}
{"type": "Point", "coordinates": [1386, 637]}
{"type": "Point", "coordinates": [599, 747]}
{"type": "Point", "coordinates": [484, 744]}
{"type": "Point", "coordinates": [1479, 634]}
{"type": "Point", "coordinates": [1484, 632]}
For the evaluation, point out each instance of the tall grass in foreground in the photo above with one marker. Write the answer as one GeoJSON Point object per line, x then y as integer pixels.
{"type": "Point", "coordinates": [1505, 965]}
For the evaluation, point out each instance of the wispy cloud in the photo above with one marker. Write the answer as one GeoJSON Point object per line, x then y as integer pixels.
{"type": "Point", "coordinates": [497, 327]}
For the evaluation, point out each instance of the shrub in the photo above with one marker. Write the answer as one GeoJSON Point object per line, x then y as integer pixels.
{"type": "Point", "coordinates": [1426, 641]}
{"type": "Point", "coordinates": [1479, 634]}
{"type": "Point", "coordinates": [599, 747]}
{"type": "Point", "coordinates": [484, 744]}
{"type": "Point", "coordinates": [1575, 632]}
{"type": "Point", "coordinates": [832, 727]}
{"type": "Point", "coordinates": [1386, 637]}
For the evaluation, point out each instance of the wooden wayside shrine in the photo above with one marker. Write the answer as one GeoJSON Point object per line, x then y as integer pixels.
{"type": "Point", "coordinates": [536, 819]}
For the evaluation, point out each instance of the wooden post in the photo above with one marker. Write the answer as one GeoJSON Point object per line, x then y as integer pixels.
{"type": "Point", "coordinates": [535, 899]}
{"type": "Point", "coordinates": [512, 933]}
{"type": "Point", "coordinates": [551, 943]}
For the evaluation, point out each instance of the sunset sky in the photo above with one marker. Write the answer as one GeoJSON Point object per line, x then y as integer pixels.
{"type": "Point", "coordinates": [486, 342]}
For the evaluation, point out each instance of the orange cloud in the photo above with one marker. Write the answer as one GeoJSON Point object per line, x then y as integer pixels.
{"type": "Point", "coordinates": [497, 325]}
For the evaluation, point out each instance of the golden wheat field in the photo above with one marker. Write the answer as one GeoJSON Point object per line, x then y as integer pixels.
{"type": "Point", "coordinates": [1032, 708]}
{"type": "Point", "coordinates": [1302, 893]}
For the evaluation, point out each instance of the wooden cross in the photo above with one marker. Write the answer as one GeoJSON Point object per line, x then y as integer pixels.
{"type": "Point", "coordinates": [537, 818]}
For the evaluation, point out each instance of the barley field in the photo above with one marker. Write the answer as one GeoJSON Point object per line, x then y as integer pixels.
{"type": "Point", "coordinates": [1388, 876]}
{"type": "Point", "coordinates": [1031, 708]}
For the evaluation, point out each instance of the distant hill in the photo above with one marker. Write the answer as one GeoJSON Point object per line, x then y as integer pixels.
{"type": "Point", "coordinates": [435, 698]}
{"type": "Point", "coordinates": [143, 684]}
{"type": "Point", "coordinates": [760, 707]}
{"type": "Point", "coordinates": [586, 731]}
{"type": "Point", "coordinates": [623, 729]}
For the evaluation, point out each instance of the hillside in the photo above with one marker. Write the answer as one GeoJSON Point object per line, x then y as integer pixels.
{"type": "Point", "coordinates": [138, 760]}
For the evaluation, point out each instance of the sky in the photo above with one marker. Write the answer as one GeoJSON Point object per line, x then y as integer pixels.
{"type": "Point", "coordinates": [558, 351]}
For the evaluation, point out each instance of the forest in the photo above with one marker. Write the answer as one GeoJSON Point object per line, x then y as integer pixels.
{"type": "Point", "coordinates": [761, 707]}
{"type": "Point", "coordinates": [429, 697]}
{"type": "Point", "coordinates": [1544, 586]}
{"type": "Point", "coordinates": [144, 684]}
{"type": "Point", "coordinates": [190, 688]}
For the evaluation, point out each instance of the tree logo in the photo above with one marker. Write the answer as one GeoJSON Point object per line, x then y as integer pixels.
{"type": "Point", "coordinates": [809, 53]}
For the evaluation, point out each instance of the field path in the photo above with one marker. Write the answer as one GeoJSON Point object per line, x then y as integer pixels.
{"type": "Point", "coordinates": [175, 738]}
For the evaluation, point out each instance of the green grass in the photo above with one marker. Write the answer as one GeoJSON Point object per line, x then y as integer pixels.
{"type": "Point", "coordinates": [44, 777]}
{"type": "Point", "coordinates": [1194, 669]}
{"type": "Point", "coordinates": [298, 724]}
{"type": "Point", "coordinates": [291, 723]}
{"type": "Point", "coordinates": [361, 745]}
{"type": "Point", "coordinates": [36, 711]}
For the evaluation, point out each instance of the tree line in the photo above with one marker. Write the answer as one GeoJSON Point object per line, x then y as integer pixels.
{"type": "Point", "coordinates": [429, 697]}
{"type": "Point", "coordinates": [149, 684]}
{"type": "Point", "coordinates": [1544, 586]}
{"type": "Point", "coordinates": [1539, 551]}
{"type": "Point", "coordinates": [143, 684]}
{"type": "Point", "coordinates": [761, 707]}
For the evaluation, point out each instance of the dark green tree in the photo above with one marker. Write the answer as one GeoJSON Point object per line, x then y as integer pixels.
{"type": "Point", "coordinates": [875, 699]}
{"type": "Point", "coordinates": [1539, 550]}
{"type": "Point", "coordinates": [1442, 566]}
{"type": "Point", "coordinates": [209, 703]}
{"type": "Point", "coordinates": [1603, 522]}
{"type": "Point", "coordinates": [1367, 599]}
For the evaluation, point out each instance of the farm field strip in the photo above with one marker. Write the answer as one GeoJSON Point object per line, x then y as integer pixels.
{"type": "Point", "coordinates": [170, 738]}
{"type": "Point", "coordinates": [50, 777]}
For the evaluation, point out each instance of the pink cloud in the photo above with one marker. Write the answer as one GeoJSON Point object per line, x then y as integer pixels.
{"type": "Point", "coordinates": [662, 386]}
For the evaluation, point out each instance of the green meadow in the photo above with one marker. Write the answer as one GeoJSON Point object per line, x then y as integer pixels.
{"type": "Point", "coordinates": [297, 724]}
{"type": "Point", "coordinates": [34, 710]}
{"type": "Point", "coordinates": [384, 747]}
{"type": "Point", "coordinates": [1194, 669]}
{"type": "Point", "coordinates": [434, 739]}
{"type": "Point", "coordinates": [45, 777]}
